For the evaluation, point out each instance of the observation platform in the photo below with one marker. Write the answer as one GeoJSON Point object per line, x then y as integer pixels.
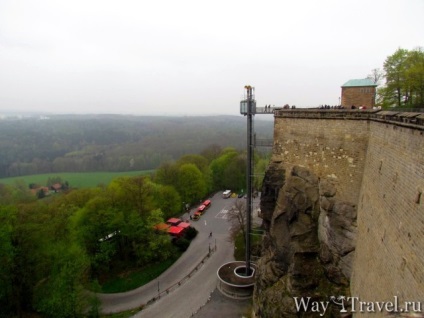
{"type": "Point", "coordinates": [266, 110]}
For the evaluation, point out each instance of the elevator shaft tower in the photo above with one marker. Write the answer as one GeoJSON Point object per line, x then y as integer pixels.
{"type": "Point", "coordinates": [248, 108]}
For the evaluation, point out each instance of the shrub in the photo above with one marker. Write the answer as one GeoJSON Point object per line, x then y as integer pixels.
{"type": "Point", "coordinates": [191, 233]}
{"type": "Point", "coordinates": [182, 244]}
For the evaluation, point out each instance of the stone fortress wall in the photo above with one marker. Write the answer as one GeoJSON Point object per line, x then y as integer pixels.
{"type": "Point", "coordinates": [328, 147]}
{"type": "Point", "coordinates": [376, 161]}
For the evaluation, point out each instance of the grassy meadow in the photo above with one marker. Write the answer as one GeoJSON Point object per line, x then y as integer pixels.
{"type": "Point", "coordinates": [75, 179]}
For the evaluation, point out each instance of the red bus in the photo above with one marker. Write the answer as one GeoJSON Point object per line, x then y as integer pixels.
{"type": "Point", "coordinates": [201, 209]}
{"type": "Point", "coordinates": [207, 203]}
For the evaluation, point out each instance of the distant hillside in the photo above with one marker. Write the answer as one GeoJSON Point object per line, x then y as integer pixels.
{"type": "Point", "coordinates": [82, 143]}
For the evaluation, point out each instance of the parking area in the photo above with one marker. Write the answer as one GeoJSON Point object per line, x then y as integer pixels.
{"type": "Point", "coordinates": [223, 214]}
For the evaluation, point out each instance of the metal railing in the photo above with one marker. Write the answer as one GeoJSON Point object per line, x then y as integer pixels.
{"type": "Point", "coordinates": [263, 142]}
{"type": "Point", "coordinates": [265, 110]}
{"type": "Point", "coordinates": [183, 280]}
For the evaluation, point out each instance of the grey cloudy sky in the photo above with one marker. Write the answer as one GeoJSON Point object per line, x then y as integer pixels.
{"type": "Point", "coordinates": [167, 57]}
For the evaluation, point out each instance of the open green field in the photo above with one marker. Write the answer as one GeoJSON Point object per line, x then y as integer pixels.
{"type": "Point", "coordinates": [76, 179]}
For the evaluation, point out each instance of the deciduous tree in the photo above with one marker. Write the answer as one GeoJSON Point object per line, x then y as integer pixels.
{"type": "Point", "coordinates": [404, 79]}
{"type": "Point", "coordinates": [7, 261]}
{"type": "Point", "coordinates": [191, 183]}
{"type": "Point", "coordinates": [219, 166]}
{"type": "Point", "coordinates": [376, 75]}
{"type": "Point", "coordinates": [167, 199]}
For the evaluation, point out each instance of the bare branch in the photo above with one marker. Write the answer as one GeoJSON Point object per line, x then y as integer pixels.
{"type": "Point", "coordinates": [237, 216]}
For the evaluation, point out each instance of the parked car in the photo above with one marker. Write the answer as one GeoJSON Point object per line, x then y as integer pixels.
{"type": "Point", "coordinates": [196, 216]}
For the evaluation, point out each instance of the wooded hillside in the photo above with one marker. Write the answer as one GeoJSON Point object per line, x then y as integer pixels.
{"type": "Point", "coordinates": [81, 143]}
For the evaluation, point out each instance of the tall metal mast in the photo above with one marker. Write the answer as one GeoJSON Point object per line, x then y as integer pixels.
{"type": "Point", "coordinates": [248, 108]}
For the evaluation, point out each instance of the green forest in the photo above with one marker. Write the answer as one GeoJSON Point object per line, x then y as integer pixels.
{"type": "Point", "coordinates": [87, 143]}
{"type": "Point", "coordinates": [55, 248]}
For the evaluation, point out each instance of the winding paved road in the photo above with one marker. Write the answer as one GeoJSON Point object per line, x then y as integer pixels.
{"type": "Point", "coordinates": [194, 293]}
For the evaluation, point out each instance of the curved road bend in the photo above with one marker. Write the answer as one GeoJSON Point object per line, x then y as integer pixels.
{"type": "Point", "coordinates": [194, 293]}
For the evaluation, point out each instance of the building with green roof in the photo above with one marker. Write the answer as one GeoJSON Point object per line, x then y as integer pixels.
{"type": "Point", "coordinates": [358, 92]}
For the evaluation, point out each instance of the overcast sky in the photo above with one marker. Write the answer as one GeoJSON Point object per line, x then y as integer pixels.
{"type": "Point", "coordinates": [191, 57]}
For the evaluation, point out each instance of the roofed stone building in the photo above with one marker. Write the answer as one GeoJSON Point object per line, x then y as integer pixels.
{"type": "Point", "coordinates": [359, 92]}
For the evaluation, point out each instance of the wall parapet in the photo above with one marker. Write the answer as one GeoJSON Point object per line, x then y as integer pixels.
{"type": "Point", "coordinates": [324, 113]}
{"type": "Point", "coordinates": [399, 118]}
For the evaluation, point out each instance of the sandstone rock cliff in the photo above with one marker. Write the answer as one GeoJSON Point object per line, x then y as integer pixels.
{"type": "Point", "coordinates": [309, 245]}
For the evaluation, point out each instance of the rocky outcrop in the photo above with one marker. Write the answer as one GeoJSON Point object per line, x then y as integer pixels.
{"type": "Point", "coordinates": [273, 181]}
{"type": "Point", "coordinates": [309, 245]}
